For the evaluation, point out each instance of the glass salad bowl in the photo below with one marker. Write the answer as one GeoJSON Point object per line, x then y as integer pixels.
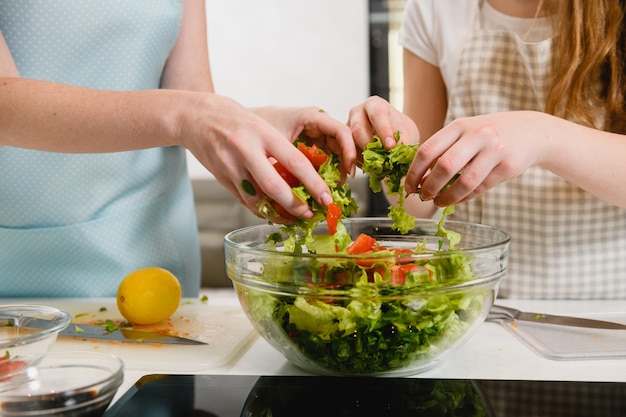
{"type": "Point", "coordinates": [391, 304]}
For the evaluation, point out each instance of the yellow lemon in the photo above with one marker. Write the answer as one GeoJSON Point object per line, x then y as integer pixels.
{"type": "Point", "coordinates": [148, 295]}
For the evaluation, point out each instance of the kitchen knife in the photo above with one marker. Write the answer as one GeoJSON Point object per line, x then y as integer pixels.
{"type": "Point", "coordinates": [91, 331]}
{"type": "Point", "coordinates": [498, 312]}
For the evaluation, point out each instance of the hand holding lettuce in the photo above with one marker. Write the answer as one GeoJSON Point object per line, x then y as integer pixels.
{"type": "Point", "coordinates": [389, 167]}
{"type": "Point", "coordinates": [383, 166]}
{"type": "Point", "coordinates": [300, 231]}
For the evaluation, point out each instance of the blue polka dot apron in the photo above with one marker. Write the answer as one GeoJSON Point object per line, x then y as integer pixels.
{"type": "Point", "coordinates": [75, 224]}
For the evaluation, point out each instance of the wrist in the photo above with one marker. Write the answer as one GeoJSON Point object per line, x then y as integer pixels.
{"type": "Point", "coordinates": [178, 115]}
{"type": "Point", "coordinates": [552, 131]}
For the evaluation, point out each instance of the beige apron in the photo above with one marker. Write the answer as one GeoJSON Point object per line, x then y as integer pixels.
{"type": "Point", "coordinates": [565, 242]}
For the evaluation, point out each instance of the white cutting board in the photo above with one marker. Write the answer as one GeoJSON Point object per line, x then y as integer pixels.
{"type": "Point", "coordinates": [572, 343]}
{"type": "Point", "coordinates": [225, 328]}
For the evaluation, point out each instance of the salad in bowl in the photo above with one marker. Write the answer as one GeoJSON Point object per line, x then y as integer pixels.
{"type": "Point", "coordinates": [342, 295]}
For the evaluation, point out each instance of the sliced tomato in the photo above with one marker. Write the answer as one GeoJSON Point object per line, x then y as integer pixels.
{"type": "Point", "coordinates": [366, 262]}
{"type": "Point", "coordinates": [286, 175]}
{"type": "Point", "coordinates": [314, 154]}
{"type": "Point", "coordinates": [362, 244]}
{"type": "Point", "coordinates": [333, 214]}
{"type": "Point", "coordinates": [8, 367]}
{"type": "Point", "coordinates": [399, 273]}
{"type": "Point", "coordinates": [403, 252]}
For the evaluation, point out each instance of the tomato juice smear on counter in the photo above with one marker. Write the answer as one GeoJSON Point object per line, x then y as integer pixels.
{"type": "Point", "coordinates": [166, 327]}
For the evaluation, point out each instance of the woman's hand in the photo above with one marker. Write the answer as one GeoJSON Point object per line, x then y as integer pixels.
{"type": "Point", "coordinates": [316, 127]}
{"type": "Point", "coordinates": [240, 146]}
{"type": "Point", "coordinates": [486, 150]}
{"type": "Point", "coordinates": [377, 116]}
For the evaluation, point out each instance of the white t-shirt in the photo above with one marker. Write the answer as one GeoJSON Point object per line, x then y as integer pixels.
{"type": "Point", "coordinates": [566, 243]}
{"type": "Point", "coordinates": [435, 30]}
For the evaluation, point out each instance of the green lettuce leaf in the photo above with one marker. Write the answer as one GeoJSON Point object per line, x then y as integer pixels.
{"type": "Point", "coordinates": [389, 167]}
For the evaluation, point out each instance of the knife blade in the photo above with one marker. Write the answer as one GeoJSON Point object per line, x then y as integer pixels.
{"type": "Point", "coordinates": [92, 331]}
{"type": "Point", "coordinates": [499, 312]}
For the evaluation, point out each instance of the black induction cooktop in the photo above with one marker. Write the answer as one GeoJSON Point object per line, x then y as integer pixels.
{"type": "Point", "coordinates": [291, 396]}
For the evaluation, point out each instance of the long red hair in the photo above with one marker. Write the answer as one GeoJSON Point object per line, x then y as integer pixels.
{"type": "Point", "coordinates": [588, 62]}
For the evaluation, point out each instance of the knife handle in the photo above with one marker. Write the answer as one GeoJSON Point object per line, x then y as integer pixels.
{"type": "Point", "coordinates": [498, 312]}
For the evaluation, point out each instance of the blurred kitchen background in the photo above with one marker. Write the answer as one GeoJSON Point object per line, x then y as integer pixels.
{"type": "Point", "coordinates": [328, 53]}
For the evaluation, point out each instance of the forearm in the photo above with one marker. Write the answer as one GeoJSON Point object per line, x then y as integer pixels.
{"type": "Point", "coordinates": [589, 158]}
{"type": "Point", "coordinates": [61, 118]}
{"type": "Point", "coordinates": [188, 65]}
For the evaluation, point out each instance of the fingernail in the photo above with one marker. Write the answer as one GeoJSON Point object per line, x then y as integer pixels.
{"type": "Point", "coordinates": [352, 166]}
{"type": "Point", "coordinates": [307, 214]}
{"type": "Point", "coordinates": [424, 196]}
{"type": "Point", "coordinates": [389, 142]}
{"type": "Point", "coordinates": [326, 199]}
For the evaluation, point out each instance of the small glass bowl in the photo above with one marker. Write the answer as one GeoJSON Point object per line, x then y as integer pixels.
{"type": "Point", "coordinates": [68, 384]}
{"type": "Point", "coordinates": [27, 332]}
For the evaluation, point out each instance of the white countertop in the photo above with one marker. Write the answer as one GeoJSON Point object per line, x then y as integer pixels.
{"type": "Point", "coordinates": [491, 353]}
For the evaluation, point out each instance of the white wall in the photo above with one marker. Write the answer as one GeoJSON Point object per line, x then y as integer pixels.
{"type": "Point", "coordinates": [289, 53]}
